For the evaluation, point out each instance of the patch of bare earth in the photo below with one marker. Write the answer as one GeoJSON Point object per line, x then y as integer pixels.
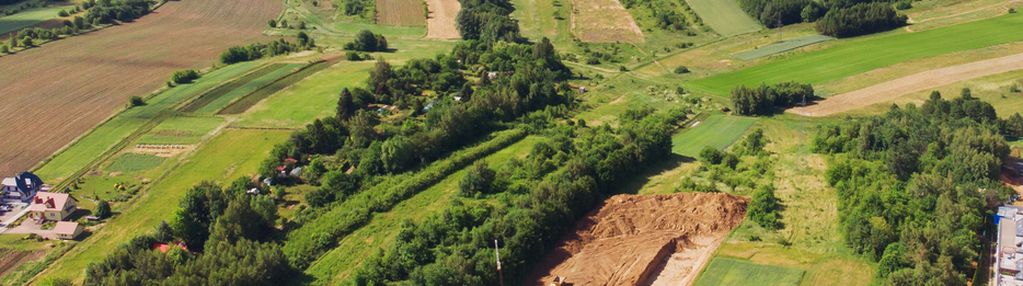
{"type": "Point", "coordinates": [440, 21]}
{"type": "Point", "coordinates": [53, 94]}
{"type": "Point", "coordinates": [913, 83]}
{"type": "Point", "coordinates": [400, 12]}
{"type": "Point", "coordinates": [644, 240]}
{"type": "Point", "coordinates": [604, 21]}
{"type": "Point", "coordinates": [11, 259]}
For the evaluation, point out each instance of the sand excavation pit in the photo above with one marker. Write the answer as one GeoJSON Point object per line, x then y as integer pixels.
{"type": "Point", "coordinates": [644, 240]}
{"type": "Point", "coordinates": [440, 21]}
{"type": "Point", "coordinates": [889, 90]}
{"type": "Point", "coordinates": [604, 21]}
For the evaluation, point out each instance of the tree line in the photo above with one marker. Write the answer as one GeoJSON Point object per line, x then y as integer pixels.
{"type": "Point", "coordinates": [836, 18]}
{"type": "Point", "coordinates": [103, 12]}
{"type": "Point", "coordinates": [770, 99]}
{"type": "Point", "coordinates": [916, 184]}
{"type": "Point", "coordinates": [257, 51]}
{"type": "Point", "coordinates": [488, 21]}
{"type": "Point", "coordinates": [538, 198]}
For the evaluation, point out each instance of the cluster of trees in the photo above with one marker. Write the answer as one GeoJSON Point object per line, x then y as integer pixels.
{"type": "Point", "coordinates": [667, 15]}
{"type": "Point", "coordinates": [729, 167]}
{"type": "Point", "coordinates": [768, 99]}
{"type": "Point", "coordinates": [183, 77]}
{"type": "Point", "coordinates": [837, 18]}
{"type": "Point", "coordinates": [97, 13]}
{"type": "Point", "coordinates": [227, 236]}
{"type": "Point", "coordinates": [488, 21]}
{"type": "Point", "coordinates": [259, 50]}
{"type": "Point", "coordinates": [109, 11]}
{"type": "Point", "coordinates": [860, 19]}
{"type": "Point", "coordinates": [538, 202]}
{"type": "Point", "coordinates": [366, 41]}
{"type": "Point", "coordinates": [914, 186]}
{"type": "Point", "coordinates": [356, 7]}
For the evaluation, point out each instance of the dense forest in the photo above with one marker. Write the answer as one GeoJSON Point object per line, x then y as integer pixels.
{"type": "Point", "coordinates": [488, 21]}
{"type": "Point", "coordinates": [916, 184]}
{"type": "Point", "coordinates": [836, 18]}
{"type": "Point", "coordinates": [770, 99]}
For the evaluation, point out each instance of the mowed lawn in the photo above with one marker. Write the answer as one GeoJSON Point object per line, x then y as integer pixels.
{"type": "Point", "coordinates": [859, 55]}
{"type": "Point", "coordinates": [340, 263]}
{"type": "Point", "coordinates": [718, 131]}
{"type": "Point", "coordinates": [28, 18]}
{"type": "Point", "coordinates": [232, 154]}
{"type": "Point", "coordinates": [731, 271]}
{"type": "Point", "coordinates": [83, 151]}
{"type": "Point", "coordinates": [725, 16]}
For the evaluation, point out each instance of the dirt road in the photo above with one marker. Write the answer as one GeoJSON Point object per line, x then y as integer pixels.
{"type": "Point", "coordinates": [441, 21]}
{"type": "Point", "coordinates": [913, 83]}
{"type": "Point", "coordinates": [53, 94]}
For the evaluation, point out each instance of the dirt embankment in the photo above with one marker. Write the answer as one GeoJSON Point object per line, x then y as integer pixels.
{"type": "Point", "coordinates": [889, 90]}
{"type": "Point", "coordinates": [52, 94]}
{"type": "Point", "coordinates": [644, 240]}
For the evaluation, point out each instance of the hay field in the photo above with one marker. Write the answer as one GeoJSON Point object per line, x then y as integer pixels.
{"type": "Point", "coordinates": [400, 13]}
{"type": "Point", "coordinates": [55, 93]}
{"type": "Point", "coordinates": [604, 21]}
{"type": "Point", "coordinates": [724, 16]}
{"type": "Point", "coordinates": [440, 24]}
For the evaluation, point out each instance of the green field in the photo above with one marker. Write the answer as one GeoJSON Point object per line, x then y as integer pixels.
{"type": "Point", "coordinates": [781, 47]}
{"type": "Point", "coordinates": [730, 271]}
{"type": "Point", "coordinates": [181, 130]}
{"type": "Point", "coordinates": [28, 18]}
{"type": "Point", "coordinates": [112, 132]}
{"type": "Point", "coordinates": [718, 131]}
{"type": "Point", "coordinates": [248, 100]}
{"type": "Point", "coordinates": [858, 55]}
{"type": "Point", "coordinates": [216, 99]}
{"type": "Point", "coordinates": [725, 16]}
{"type": "Point", "coordinates": [314, 97]}
{"type": "Point", "coordinates": [338, 264]}
{"type": "Point", "coordinates": [133, 162]}
{"type": "Point", "coordinates": [230, 155]}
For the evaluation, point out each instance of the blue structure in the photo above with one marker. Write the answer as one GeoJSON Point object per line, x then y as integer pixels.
{"type": "Point", "coordinates": [22, 187]}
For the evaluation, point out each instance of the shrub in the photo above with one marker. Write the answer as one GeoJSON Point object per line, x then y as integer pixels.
{"type": "Point", "coordinates": [1012, 10]}
{"type": "Point", "coordinates": [763, 208]}
{"type": "Point", "coordinates": [904, 5]}
{"type": "Point", "coordinates": [479, 180]}
{"type": "Point", "coordinates": [184, 76]}
{"type": "Point", "coordinates": [103, 209]}
{"type": "Point", "coordinates": [367, 41]}
{"type": "Point", "coordinates": [1014, 88]}
{"type": "Point", "coordinates": [860, 19]}
{"type": "Point", "coordinates": [63, 13]}
{"type": "Point", "coordinates": [681, 70]}
{"type": "Point", "coordinates": [137, 101]}
{"type": "Point", "coordinates": [356, 56]}
{"type": "Point", "coordinates": [4, 49]}
{"type": "Point", "coordinates": [272, 23]}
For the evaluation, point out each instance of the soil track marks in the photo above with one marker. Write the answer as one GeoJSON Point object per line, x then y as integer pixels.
{"type": "Point", "coordinates": [917, 82]}
{"type": "Point", "coordinates": [644, 240]}
{"type": "Point", "coordinates": [440, 23]}
{"type": "Point", "coordinates": [53, 94]}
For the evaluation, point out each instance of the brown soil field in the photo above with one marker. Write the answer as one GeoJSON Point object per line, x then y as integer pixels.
{"type": "Point", "coordinates": [440, 24]}
{"type": "Point", "coordinates": [10, 259]}
{"type": "Point", "coordinates": [913, 83]}
{"type": "Point", "coordinates": [643, 240]}
{"type": "Point", "coordinates": [604, 21]}
{"type": "Point", "coordinates": [55, 93]}
{"type": "Point", "coordinates": [400, 12]}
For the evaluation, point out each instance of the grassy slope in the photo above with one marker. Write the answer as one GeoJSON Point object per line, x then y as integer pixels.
{"type": "Point", "coordinates": [724, 16]}
{"type": "Point", "coordinates": [730, 271]}
{"type": "Point", "coordinates": [232, 154]}
{"type": "Point", "coordinates": [338, 264]}
{"type": "Point", "coordinates": [181, 130]}
{"type": "Point", "coordinates": [863, 54]}
{"type": "Point", "coordinates": [28, 18]}
{"type": "Point", "coordinates": [718, 131]}
{"type": "Point", "coordinates": [109, 133]}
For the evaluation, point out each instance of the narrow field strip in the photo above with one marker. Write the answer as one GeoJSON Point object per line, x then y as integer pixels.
{"type": "Point", "coordinates": [339, 264]}
{"type": "Point", "coordinates": [781, 47]}
{"type": "Point", "coordinates": [245, 102]}
{"type": "Point", "coordinates": [234, 86]}
{"type": "Point", "coordinates": [718, 131]}
{"type": "Point", "coordinates": [307, 243]}
{"type": "Point", "coordinates": [917, 82]}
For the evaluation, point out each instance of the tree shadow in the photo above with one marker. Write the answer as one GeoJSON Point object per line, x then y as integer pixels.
{"type": "Point", "coordinates": [642, 177]}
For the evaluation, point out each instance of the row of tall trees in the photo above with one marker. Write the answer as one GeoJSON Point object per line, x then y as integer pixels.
{"type": "Point", "coordinates": [769, 99]}
{"type": "Point", "coordinates": [259, 50]}
{"type": "Point", "coordinates": [837, 18]}
{"type": "Point", "coordinates": [488, 21]}
{"type": "Point", "coordinates": [915, 185]}
{"type": "Point", "coordinates": [539, 197]}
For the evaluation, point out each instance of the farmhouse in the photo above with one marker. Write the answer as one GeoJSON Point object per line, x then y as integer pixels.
{"type": "Point", "coordinates": [67, 230]}
{"type": "Point", "coordinates": [21, 188]}
{"type": "Point", "coordinates": [1009, 253]}
{"type": "Point", "coordinates": [48, 206]}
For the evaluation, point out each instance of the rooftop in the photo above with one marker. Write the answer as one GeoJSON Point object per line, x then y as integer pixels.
{"type": "Point", "coordinates": [65, 227]}
{"type": "Point", "coordinates": [41, 202]}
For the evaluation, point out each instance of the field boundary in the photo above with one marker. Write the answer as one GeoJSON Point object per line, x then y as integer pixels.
{"type": "Point", "coordinates": [238, 106]}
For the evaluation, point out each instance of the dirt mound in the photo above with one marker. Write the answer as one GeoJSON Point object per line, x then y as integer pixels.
{"type": "Point", "coordinates": [655, 239]}
{"type": "Point", "coordinates": [889, 90]}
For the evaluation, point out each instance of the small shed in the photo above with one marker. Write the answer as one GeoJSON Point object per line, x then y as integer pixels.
{"type": "Point", "coordinates": [67, 230]}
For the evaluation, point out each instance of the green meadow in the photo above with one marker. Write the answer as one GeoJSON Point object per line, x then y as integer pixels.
{"type": "Point", "coordinates": [858, 55]}
{"type": "Point", "coordinates": [781, 47]}
{"type": "Point", "coordinates": [718, 131]}
{"type": "Point", "coordinates": [314, 97]}
{"type": "Point", "coordinates": [730, 271]}
{"type": "Point", "coordinates": [28, 18]}
{"type": "Point", "coordinates": [724, 16]}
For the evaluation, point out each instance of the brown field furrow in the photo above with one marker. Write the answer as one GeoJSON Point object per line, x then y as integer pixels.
{"type": "Point", "coordinates": [440, 24]}
{"type": "Point", "coordinates": [51, 95]}
{"type": "Point", "coordinates": [913, 83]}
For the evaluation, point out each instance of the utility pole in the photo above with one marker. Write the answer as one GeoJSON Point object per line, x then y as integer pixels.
{"type": "Point", "coordinates": [497, 254]}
